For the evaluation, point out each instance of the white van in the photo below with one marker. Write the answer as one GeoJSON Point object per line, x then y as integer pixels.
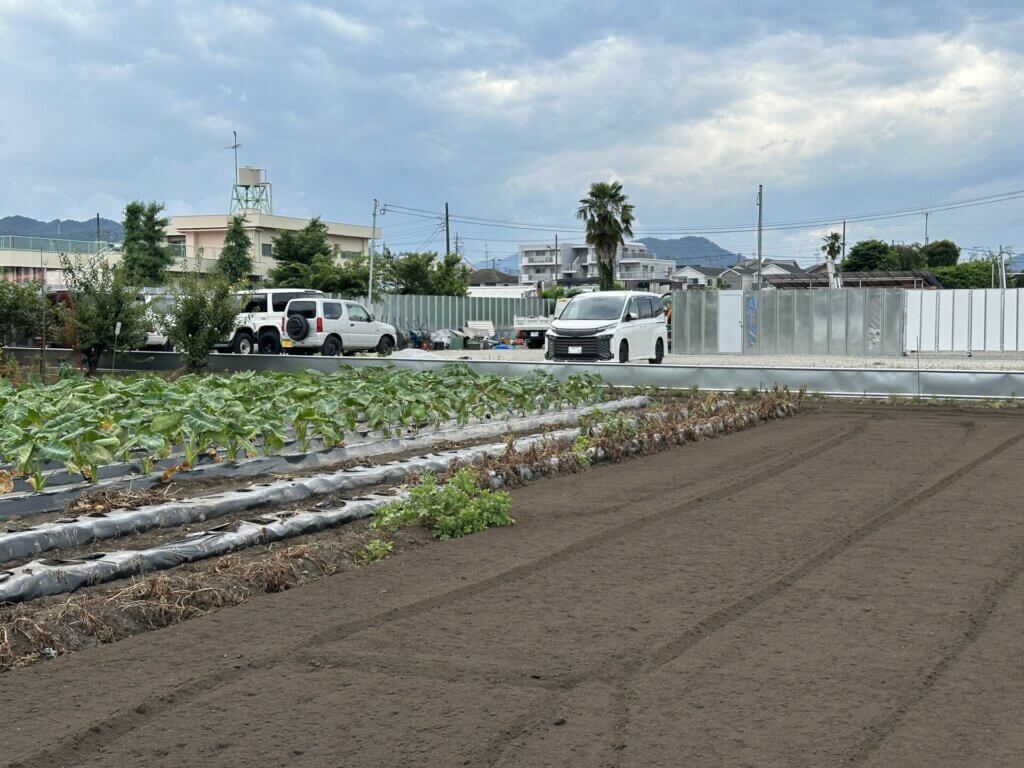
{"type": "Point", "coordinates": [625, 326]}
{"type": "Point", "coordinates": [332, 326]}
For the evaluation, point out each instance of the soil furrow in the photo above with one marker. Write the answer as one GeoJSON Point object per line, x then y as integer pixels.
{"type": "Point", "coordinates": [976, 622]}
{"type": "Point", "coordinates": [122, 722]}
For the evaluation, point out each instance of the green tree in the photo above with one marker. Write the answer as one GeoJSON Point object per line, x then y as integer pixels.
{"type": "Point", "coordinates": [941, 253]}
{"type": "Point", "coordinates": [903, 257]}
{"type": "Point", "coordinates": [202, 314]}
{"type": "Point", "coordinates": [412, 273]}
{"type": "Point", "coordinates": [450, 278]}
{"type": "Point", "coordinates": [865, 256]}
{"type": "Point", "coordinates": [20, 311]}
{"type": "Point", "coordinates": [299, 254]}
{"type": "Point", "coordinates": [101, 297]}
{"type": "Point", "coordinates": [350, 276]}
{"type": "Point", "coordinates": [146, 258]}
{"type": "Point", "coordinates": [428, 274]}
{"type": "Point", "coordinates": [968, 274]}
{"type": "Point", "coordinates": [235, 260]}
{"type": "Point", "coordinates": [609, 220]}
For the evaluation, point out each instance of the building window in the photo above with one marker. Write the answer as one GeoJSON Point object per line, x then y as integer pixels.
{"type": "Point", "coordinates": [267, 250]}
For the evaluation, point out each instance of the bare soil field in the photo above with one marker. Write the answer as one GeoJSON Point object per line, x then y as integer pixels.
{"type": "Point", "coordinates": [838, 588]}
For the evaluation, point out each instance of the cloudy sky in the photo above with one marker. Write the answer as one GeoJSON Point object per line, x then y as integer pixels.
{"type": "Point", "coordinates": [507, 110]}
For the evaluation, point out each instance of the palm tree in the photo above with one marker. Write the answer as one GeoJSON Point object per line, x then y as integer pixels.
{"type": "Point", "coordinates": [609, 218]}
{"type": "Point", "coordinates": [833, 246]}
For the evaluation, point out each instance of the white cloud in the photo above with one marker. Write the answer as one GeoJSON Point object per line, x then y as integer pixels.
{"type": "Point", "coordinates": [335, 22]}
{"type": "Point", "coordinates": [793, 110]}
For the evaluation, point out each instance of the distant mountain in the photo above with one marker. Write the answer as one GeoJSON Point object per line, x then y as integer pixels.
{"type": "Point", "coordinates": [66, 229]}
{"type": "Point", "coordinates": [691, 250]}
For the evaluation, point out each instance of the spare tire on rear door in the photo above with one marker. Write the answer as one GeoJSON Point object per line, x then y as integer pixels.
{"type": "Point", "coordinates": [297, 327]}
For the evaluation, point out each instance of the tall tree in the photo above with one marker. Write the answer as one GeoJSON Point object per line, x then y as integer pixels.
{"type": "Point", "coordinates": [235, 260]}
{"type": "Point", "coordinates": [941, 253]}
{"type": "Point", "coordinates": [609, 219]}
{"type": "Point", "coordinates": [865, 256]}
{"type": "Point", "coordinates": [146, 258]}
{"type": "Point", "coordinates": [296, 252]}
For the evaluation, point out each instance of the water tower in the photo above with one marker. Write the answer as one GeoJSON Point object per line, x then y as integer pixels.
{"type": "Point", "coordinates": [251, 192]}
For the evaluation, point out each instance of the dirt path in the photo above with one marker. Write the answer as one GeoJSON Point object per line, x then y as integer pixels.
{"type": "Point", "coordinates": [837, 588]}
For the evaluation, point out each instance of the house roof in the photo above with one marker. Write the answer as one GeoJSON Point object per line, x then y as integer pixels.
{"type": "Point", "coordinates": [873, 279]}
{"type": "Point", "coordinates": [482, 276]}
{"type": "Point", "coordinates": [749, 266]}
{"type": "Point", "coordinates": [706, 271]}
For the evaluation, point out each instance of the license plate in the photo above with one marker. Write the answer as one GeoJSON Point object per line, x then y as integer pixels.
{"type": "Point", "coordinates": [535, 334]}
{"type": "Point", "coordinates": [286, 343]}
{"type": "Point", "coordinates": [575, 350]}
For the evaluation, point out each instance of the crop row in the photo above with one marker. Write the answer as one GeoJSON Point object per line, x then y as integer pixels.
{"type": "Point", "coordinates": [83, 424]}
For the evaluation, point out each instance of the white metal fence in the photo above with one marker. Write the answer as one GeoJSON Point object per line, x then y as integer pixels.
{"type": "Point", "coordinates": [968, 320]}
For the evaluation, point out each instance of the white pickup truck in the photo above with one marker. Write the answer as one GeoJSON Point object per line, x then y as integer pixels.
{"type": "Point", "coordinates": [532, 329]}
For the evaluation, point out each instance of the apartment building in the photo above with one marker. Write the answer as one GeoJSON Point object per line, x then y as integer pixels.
{"type": "Point", "coordinates": [576, 264]}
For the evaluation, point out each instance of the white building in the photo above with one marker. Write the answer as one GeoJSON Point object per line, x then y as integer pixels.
{"type": "Point", "coordinates": [694, 276]}
{"type": "Point", "coordinates": [576, 263]}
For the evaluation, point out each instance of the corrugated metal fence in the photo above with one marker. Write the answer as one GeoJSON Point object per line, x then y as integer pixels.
{"type": "Point", "coordinates": [436, 312]}
{"type": "Point", "coordinates": [850, 321]}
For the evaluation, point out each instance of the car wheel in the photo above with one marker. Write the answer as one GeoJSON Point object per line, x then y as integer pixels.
{"type": "Point", "coordinates": [385, 345]}
{"type": "Point", "coordinates": [659, 353]}
{"type": "Point", "coordinates": [270, 344]}
{"type": "Point", "coordinates": [243, 344]}
{"type": "Point", "coordinates": [623, 352]}
{"type": "Point", "coordinates": [331, 347]}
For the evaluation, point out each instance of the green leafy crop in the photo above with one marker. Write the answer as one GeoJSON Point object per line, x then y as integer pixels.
{"type": "Point", "coordinates": [83, 424]}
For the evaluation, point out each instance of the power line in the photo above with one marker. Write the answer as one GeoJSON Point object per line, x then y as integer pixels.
{"type": "Point", "coordinates": [951, 205]}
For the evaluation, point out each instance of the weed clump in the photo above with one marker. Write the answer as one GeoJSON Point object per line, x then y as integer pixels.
{"type": "Point", "coordinates": [452, 509]}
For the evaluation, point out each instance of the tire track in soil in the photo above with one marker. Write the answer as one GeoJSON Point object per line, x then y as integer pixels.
{"type": "Point", "coordinates": [977, 621]}
{"type": "Point", "coordinates": [122, 722]}
{"type": "Point", "coordinates": [621, 676]}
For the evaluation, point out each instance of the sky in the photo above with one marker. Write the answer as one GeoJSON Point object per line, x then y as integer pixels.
{"type": "Point", "coordinates": [508, 111]}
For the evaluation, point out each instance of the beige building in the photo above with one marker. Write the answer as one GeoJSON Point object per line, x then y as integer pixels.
{"type": "Point", "coordinates": [24, 259]}
{"type": "Point", "coordinates": [203, 237]}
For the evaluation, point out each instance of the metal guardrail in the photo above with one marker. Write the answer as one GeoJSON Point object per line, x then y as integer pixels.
{"type": "Point", "coordinates": [834, 382]}
{"type": "Point", "coordinates": [51, 244]}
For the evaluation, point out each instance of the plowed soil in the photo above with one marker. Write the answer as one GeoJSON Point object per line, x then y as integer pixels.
{"type": "Point", "coordinates": [838, 588]}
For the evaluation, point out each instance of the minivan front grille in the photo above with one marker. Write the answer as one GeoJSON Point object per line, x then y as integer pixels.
{"type": "Point", "coordinates": [590, 348]}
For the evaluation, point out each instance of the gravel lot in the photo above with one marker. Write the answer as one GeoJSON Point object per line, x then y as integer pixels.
{"type": "Point", "coordinates": [986, 362]}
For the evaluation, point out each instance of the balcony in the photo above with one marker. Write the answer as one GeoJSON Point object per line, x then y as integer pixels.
{"type": "Point", "coordinates": [545, 258]}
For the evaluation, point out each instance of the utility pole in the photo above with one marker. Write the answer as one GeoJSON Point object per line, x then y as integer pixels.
{"type": "Point", "coordinates": [760, 221]}
{"type": "Point", "coordinates": [373, 251]}
{"type": "Point", "coordinates": [926, 227]}
{"type": "Point", "coordinates": [97, 228]}
{"type": "Point", "coordinates": [42, 328]}
{"type": "Point", "coordinates": [1002, 268]}
{"type": "Point", "coordinates": [447, 231]}
{"type": "Point", "coordinates": [844, 239]}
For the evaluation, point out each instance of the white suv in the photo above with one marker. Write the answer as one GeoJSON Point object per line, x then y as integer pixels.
{"type": "Point", "coordinates": [333, 326]}
{"type": "Point", "coordinates": [610, 325]}
{"type": "Point", "coordinates": [260, 324]}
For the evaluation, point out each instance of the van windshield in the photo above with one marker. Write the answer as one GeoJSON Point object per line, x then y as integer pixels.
{"type": "Point", "coordinates": [593, 308]}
